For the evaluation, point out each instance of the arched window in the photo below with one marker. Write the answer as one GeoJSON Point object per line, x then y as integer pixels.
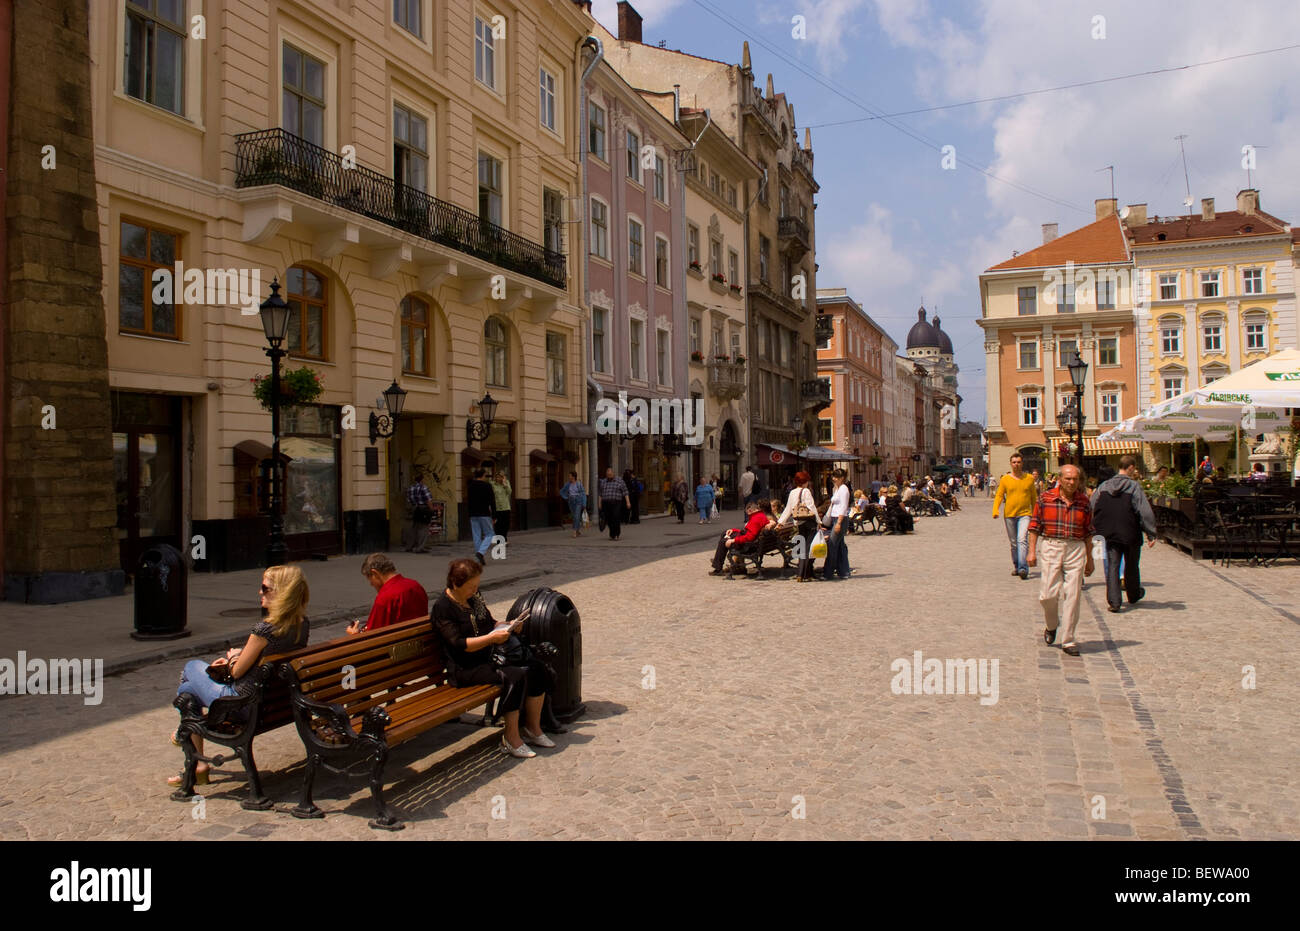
{"type": "Point", "coordinates": [308, 313]}
{"type": "Point", "coordinates": [416, 345]}
{"type": "Point", "coordinates": [496, 362]}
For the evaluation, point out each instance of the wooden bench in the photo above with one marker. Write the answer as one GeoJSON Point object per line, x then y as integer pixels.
{"type": "Point", "coordinates": [234, 722]}
{"type": "Point", "coordinates": [354, 700]}
{"type": "Point", "coordinates": [775, 542]}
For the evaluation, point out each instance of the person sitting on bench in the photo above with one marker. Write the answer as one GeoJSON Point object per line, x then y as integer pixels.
{"type": "Point", "coordinates": [398, 598]}
{"type": "Point", "coordinates": [284, 627]}
{"type": "Point", "coordinates": [755, 523]}
{"type": "Point", "coordinates": [468, 633]}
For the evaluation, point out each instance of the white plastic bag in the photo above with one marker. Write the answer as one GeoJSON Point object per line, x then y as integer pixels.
{"type": "Point", "coordinates": [818, 546]}
{"type": "Point", "coordinates": [714, 513]}
{"type": "Point", "coordinates": [586, 520]}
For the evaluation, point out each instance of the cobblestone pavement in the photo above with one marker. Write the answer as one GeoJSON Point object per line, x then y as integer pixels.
{"type": "Point", "coordinates": [773, 700]}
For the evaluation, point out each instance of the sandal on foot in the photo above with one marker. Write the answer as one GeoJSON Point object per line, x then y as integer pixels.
{"type": "Point", "coordinates": [1070, 649]}
{"type": "Point", "coordinates": [1049, 636]}
{"type": "Point", "coordinates": [200, 778]}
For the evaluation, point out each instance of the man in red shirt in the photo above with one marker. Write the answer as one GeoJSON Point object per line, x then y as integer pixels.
{"type": "Point", "coordinates": [756, 521]}
{"type": "Point", "coordinates": [1061, 529]}
{"type": "Point", "coordinates": [399, 598]}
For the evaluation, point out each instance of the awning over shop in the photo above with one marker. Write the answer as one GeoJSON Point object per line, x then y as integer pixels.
{"type": "Point", "coordinates": [541, 455]}
{"type": "Point", "coordinates": [776, 454]}
{"type": "Point", "coordinates": [570, 431]}
{"type": "Point", "coordinates": [476, 454]}
{"type": "Point", "coordinates": [1094, 447]}
{"type": "Point", "coordinates": [258, 450]}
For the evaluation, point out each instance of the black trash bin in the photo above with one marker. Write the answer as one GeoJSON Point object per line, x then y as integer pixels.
{"type": "Point", "coordinates": [554, 618]}
{"type": "Point", "coordinates": [161, 594]}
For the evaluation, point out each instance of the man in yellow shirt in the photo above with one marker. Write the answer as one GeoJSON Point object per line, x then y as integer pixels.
{"type": "Point", "coordinates": [1018, 491]}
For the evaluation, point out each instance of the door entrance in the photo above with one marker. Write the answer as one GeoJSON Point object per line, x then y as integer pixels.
{"type": "Point", "coordinates": [146, 470]}
{"type": "Point", "coordinates": [729, 466]}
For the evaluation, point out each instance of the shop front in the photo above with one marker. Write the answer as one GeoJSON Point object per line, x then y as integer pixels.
{"type": "Point", "coordinates": [147, 473]}
{"type": "Point", "coordinates": [417, 447]}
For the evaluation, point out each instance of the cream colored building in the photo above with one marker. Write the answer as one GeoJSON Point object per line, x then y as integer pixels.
{"type": "Point", "coordinates": [1219, 294]}
{"type": "Point", "coordinates": [716, 336]}
{"type": "Point", "coordinates": [408, 174]}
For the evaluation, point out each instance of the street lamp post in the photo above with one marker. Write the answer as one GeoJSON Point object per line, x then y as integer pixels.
{"type": "Point", "coordinates": [275, 323]}
{"type": "Point", "coordinates": [479, 429]}
{"type": "Point", "coordinates": [384, 425]}
{"type": "Point", "coordinates": [875, 446]}
{"type": "Point", "coordinates": [1078, 375]}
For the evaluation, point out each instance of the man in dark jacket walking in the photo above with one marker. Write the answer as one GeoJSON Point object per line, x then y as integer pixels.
{"type": "Point", "coordinates": [1121, 514]}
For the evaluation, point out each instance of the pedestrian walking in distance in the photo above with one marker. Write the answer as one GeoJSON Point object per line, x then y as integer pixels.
{"type": "Point", "coordinates": [613, 499]}
{"type": "Point", "coordinates": [836, 564]}
{"type": "Point", "coordinates": [501, 495]}
{"type": "Point", "coordinates": [1061, 531]}
{"type": "Point", "coordinates": [1121, 514]}
{"type": "Point", "coordinates": [680, 496]}
{"type": "Point", "coordinates": [481, 504]}
{"type": "Point", "coordinates": [704, 497]}
{"type": "Point", "coordinates": [1016, 496]}
{"type": "Point", "coordinates": [419, 498]}
{"type": "Point", "coordinates": [746, 486]}
{"type": "Point", "coordinates": [575, 496]}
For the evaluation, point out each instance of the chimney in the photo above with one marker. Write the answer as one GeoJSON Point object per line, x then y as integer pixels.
{"type": "Point", "coordinates": [1137, 215]}
{"type": "Point", "coordinates": [629, 23]}
{"type": "Point", "coordinates": [1207, 208]}
{"type": "Point", "coordinates": [1248, 201]}
{"type": "Point", "coordinates": [1049, 232]}
{"type": "Point", "coordinates": [1106, 206]}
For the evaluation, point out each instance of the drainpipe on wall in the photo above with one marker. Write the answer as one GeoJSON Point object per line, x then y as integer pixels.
{"type": "Point", "coordinates": [594, 390]}
{"type": "Point", "coordinates": [691, 477]}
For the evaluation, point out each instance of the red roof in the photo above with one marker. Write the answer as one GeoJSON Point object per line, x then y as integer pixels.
{"type": "Point", "coordinates": [1229, 224]}
{"type": "Point", "coordinates": [1096, 243]}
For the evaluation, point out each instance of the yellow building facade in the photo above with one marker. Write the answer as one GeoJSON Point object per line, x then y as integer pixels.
{"type": "Point", "coordinates": [408, 173]}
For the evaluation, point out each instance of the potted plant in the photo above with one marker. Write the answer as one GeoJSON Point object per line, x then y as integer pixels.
{"type": "Point", "coordinates": [719, 278]}
{"type": "Point", "coordinates": [798, 445]}
{"type": "Point", "coordinates": [739, 360]}
{"type": "Point", "coordinates": [297, 386]}
{"type": "Point", "coordinates": [697, 356]}
{"type": "Point", "coordinates": [695, 266]}
{"type": "Point", "coordinates": [735, 288]}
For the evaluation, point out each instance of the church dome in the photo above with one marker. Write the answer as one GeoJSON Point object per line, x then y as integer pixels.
{"type": "Point", "coordinates": [945, 344]}
{"type": "Point", "coordinates": [922, 335]}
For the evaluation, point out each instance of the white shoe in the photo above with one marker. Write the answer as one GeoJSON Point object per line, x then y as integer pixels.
{"type": "Point", "coordinates": [538, 740]}
{"type": "Point", "coordinates": [521, 751]}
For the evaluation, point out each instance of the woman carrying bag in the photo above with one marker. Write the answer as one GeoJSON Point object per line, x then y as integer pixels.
{"type": "Point", "coordinates": [575, 496]}
{"type": "Point", "coordinates": [801, 507]}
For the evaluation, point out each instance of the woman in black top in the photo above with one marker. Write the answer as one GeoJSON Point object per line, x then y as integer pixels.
{"type": "Point", "coordinates": [284, 627]}
{"type": "Point", "coordinates": [468, 633]}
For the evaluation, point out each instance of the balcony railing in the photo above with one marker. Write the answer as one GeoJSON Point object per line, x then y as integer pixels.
{"type": "Point", "coordinates": [275, 156]}
{"type": "Point", "coordinates": [815, 393]}
{"type": "Point", "coordinates": [796, 231]}
{"type": "Point", "coordinates": [765, 290]}
{"type": "Point", "coordinates": [727, 379]}
{"type": "Point", "coordinates": [825, 328]}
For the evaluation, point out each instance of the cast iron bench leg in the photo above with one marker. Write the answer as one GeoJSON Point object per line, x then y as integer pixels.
{"type": "Point", "coordinates": [384, 819]}
{"type": "Point", "coordinates": [257, 800]}
{"type": "Point", "coordinates": [307, 808]}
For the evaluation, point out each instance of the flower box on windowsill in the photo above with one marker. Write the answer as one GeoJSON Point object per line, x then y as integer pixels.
{"type": "Point", "coordinates": [736, 289]}
{"type": "Point", "coordinates": [695, 269]}
{"type": "Point", "coordinates": [697, 357]}
{"type": "Point", "coordinates": [718, 283]}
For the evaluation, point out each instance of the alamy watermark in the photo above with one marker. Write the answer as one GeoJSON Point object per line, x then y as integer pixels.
{"type": "Point", "coordinates": [53, 677]}
{"type": "Point", "coordinates": [657, 416]}
{"type": "Point", "coordinates": [932, 676]}
{"type": "Point", "coordinates": [216, 286]}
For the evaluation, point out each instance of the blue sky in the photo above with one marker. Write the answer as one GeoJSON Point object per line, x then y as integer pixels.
{"type": "Point", "coordinates": [893, 226]}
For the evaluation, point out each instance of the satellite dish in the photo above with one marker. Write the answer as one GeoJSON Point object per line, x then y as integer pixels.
{"type": "Point", "coordinates": [1187, 202]}
{"type": "Point", "coordinates": [1123, 214]}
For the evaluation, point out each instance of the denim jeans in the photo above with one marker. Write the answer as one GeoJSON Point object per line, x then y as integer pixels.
{"type": "Point", "coordinates": [1018, 534]}
{"type": "Point", "coordinates": [482, 529]}
{"type": "Point", "coordinates": [195, 681]}
{"type": "Point", "coordinates": [837, 555]}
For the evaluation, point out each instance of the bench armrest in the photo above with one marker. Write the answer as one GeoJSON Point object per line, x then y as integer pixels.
{"type": "Point", "coordinates": [335, 717]}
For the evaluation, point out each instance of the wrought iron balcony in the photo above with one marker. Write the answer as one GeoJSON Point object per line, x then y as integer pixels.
{"type": "Point", "coordinates": [727, 379]}
{"type": "Point", "coordinates": [825, 327]}
{"type": "Point", "coordinates": [815, 393]}
{"type": "Point", "coordinates": [764, 290]}
{"type": "Point", "coordinates": [795, 232]}
{"type": "Point", "coordinates": [275, 156]}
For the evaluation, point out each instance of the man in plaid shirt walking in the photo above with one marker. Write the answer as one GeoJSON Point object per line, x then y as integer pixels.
{"type": "Point", "coordinates": [613, 498]}
{"type": "Point", "coordinates": [1061, 529]}
{"type": "Point", "coordinates": [418, 497]}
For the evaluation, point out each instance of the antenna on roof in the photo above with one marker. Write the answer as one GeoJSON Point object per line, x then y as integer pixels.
{"type": "Point", "coordinates": [1111, 169]}
{"type": "Point", "coordinates": [663, 43]}
{"type": "Point", "coordinates": [1188, 201]}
